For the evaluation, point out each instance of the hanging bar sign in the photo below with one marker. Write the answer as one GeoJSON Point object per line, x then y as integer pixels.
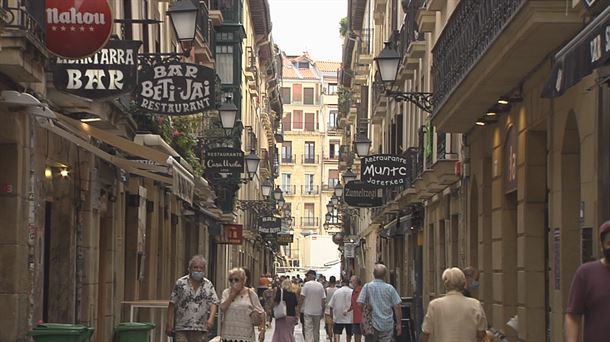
{"type": "Point", "coordinates": [112, 71]}
{"type": "Point", "coordinates": [174, 88]}
{"type": "Point", "coordinates": [384, 170]}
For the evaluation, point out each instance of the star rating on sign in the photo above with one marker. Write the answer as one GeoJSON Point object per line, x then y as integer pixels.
{"type": "Point", "coordinates": [82, 29]}
{"type": "Point", "coordinates": [54, 28]}
{"type": "Point", "coordinates": [72, 28]}
{"type": "Point", "coordinates": [91, 28]}
{"type": "Point", "coordinates": [63, 28]}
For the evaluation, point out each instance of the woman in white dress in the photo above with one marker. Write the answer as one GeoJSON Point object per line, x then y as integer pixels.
{"type": "Point", "coordinates": [236, 304]}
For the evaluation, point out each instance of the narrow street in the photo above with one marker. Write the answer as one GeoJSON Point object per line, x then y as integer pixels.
{"type": "Point", "coordinates": [298, 333]}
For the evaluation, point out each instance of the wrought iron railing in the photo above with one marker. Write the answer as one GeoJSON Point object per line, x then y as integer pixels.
{"type": "Point", "coordinates": [365, 42]}
{"type": "Point", "coordinates": [289, 158]}
{"type": "Point", "coordinates": [203, 24]}
{"type": "Point", "coordinates": [330, 186]}
{"type": "Point", "coordinates": [19, 19]}
{"type": "Point", "coordinates": [471, 29]}
{"type": "Point", "coordinates": [310, 158]}
{"type": "Point", "coordinates": [309, 221]}
{"type": "Point", "coordinates": [288, 190]}
{"type": "Point", "coordinates": [409, 32]}
{"type": "Point", "coordinates": [310, 189]}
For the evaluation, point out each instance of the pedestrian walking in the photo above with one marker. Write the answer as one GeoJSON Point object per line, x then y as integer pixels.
{"type": "Point", "coordinates": [268, 303]}
{"type": "Point", "coordinates": [454, 317]}
{"type": "Point", "coordinates": [312, 299]}
{"type": "Point", "coordinates": [237, 303]}
{"type": "Point", "coordinates": [472, 282]}
{"type": "Point", "coordinates": [342, 316]}
{"type": "Point", "coordinates": [328, 318]}
{"type": "Point", "coordinates": [590, 296]}
{"type": "Point", "coordinates": [192, 304]}
{"type": "Point", "coordinates": [284, 326]}
{"type": "Point", "coordinates": [355, 309]}
{"type": "Point", "coordinates": [381, 298]}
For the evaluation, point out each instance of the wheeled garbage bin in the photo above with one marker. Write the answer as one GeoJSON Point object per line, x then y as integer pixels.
{"type": "Point", "coordinates": [132, 332]}
{"type": "Point", "coordinates": [58, 332]}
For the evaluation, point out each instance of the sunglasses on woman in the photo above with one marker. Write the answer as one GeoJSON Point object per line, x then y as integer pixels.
{"type": "Point", "coordinates": [234, 280]}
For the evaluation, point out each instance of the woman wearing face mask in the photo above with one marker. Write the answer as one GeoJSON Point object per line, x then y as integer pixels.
{"type": "Point", "coordinates": [236, 304]}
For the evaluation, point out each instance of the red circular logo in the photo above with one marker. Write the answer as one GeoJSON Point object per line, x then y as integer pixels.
{"type": "Point", "coordinates": [77, 28]}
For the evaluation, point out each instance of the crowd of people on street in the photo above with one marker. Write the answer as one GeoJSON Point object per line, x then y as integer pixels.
{"type": "Point", "coordinates": [372, 310]}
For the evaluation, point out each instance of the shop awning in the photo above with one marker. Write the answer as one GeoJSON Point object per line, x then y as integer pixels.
{"type": "Point", "coordinates": [127, 165]}
{"type": "Point", "coordinates": [589, 50]}
{"type": "Point", "coordinates": [149, 163]}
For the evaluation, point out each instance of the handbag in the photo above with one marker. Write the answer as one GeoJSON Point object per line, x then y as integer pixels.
{"type": "Point", "coordinates": [257, 316]}
{"type": "Point", "coordinates": [279, 311]}
{"type": "Point", "coordinates": [367, 317]}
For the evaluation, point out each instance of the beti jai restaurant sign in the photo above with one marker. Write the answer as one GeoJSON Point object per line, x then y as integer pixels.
{"type": "Point", "coordinates": [112, 71]}
{"type": "Point", "coordinates": [174, 88]}
{"type": "Point", "coordinates": [383, 170]}
{"type": "Point", "coordinates": [77, 28]}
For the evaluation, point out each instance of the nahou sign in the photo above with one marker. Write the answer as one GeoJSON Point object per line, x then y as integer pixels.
{"type": "Point", "coordinates": [224, 160]}
{"type": "Point", "coordinates": [362, 195]}
{"type": "Point", "coordinates": [77, 28]}
{"type": "Point", "coordinates": [112, 71]}
{"type": "Point", "coordinates": [174, 88]}
{"type": "Point", "coordinates": [383, 170]}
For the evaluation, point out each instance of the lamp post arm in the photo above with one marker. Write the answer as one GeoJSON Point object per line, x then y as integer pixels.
{"type": "Point", "coordinates": [421, 99]}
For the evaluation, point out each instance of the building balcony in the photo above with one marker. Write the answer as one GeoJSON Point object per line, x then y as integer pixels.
{"type": "Point", "coordinates": [310, 159]}
{"type": "Point", "coordinates": [289, 190]}
{"type": "Point", "coordinates": [310, 190]}
{"type": "Point", "coordinates": [310, 221]}
{"type": "Point", "coordinates": [23, 53]}
{"type": "Point", "coordinates": [329, 157]}
{"type": "Point", "coordinates": [289, 159]}
{"type": "Point", "coordinates": [330, 186]}
{"type": "Point", "coordinates": [487, 48]}
{"type": "Point", "coordinates": [204, 45]}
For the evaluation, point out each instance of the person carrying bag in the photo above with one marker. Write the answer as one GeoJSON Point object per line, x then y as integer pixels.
{"type": "Point", "coordinates": [279, 311]}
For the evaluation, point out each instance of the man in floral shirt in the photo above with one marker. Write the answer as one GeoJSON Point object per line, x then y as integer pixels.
{"type": "Point", "coordinates": [193, 304]}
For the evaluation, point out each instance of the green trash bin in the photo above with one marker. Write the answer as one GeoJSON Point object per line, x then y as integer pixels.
{"type": "Point", "coordinates": [132, 332]}
{"type": "Point", "coordinates": [58, 332]}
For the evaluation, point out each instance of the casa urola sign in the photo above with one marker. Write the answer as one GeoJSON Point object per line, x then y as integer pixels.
{"type": "Point", "coordinates": [77, 28]}
{"type": "Point", "coordinates": [174, 88]}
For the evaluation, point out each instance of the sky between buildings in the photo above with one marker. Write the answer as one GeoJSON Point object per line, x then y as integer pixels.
{"type": "Point", "coordinates": [308, 25]}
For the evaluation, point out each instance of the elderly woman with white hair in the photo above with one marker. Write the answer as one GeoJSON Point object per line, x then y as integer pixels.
{"type": "Point", "coordinates": [454, 318]}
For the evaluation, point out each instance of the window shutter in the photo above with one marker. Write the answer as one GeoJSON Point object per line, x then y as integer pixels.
{"type": "Point", "coordinates": [297, 92]}
{"type": "Point", "coordinates": [298, 119]}
{"type": "Point", "coordinates": [309, 121]}
{"type": "Point", "coordinates": [286, 122]}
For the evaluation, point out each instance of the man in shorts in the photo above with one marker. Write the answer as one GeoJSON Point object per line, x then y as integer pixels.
{"type": "Point", "coordinates": [339, 306]}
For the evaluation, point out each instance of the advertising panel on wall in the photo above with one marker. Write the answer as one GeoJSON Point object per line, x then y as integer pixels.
{"type": "Point", "coordinates": [77, 28]}
{"type": "Point", "coordinates": [175, 88]}
{"type": "Point", "coordinates": [112, 71]}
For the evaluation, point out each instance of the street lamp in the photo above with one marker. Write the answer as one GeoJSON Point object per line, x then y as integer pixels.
{"type": "Point", "coordinates": [266, 188]}
{"type": "Point", "coordinates": [363, 144]}
{"type": "Point", "coordinates": [338, 189]}
{"type": "Point", "coordinates": [348, 176]}
{"type": "Point", "coordinates": [387, 63]}
{"type": "Point", "coordinates": [184, 14]}
{"type": "Point", "coordinates": [328, 217]}
{"type": "Point", "coordinates": [228, 113]}
{"type": "Point", "coordinates": [281, 201]}
{"type": "Point", "coordinates": [252, 161]}
{"type": "Point", "coordinates": [334, 200]}
{"type": "Point", "coordinates": [329, 207]}
{"type": "Point", "coordinates": [277, 193]}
